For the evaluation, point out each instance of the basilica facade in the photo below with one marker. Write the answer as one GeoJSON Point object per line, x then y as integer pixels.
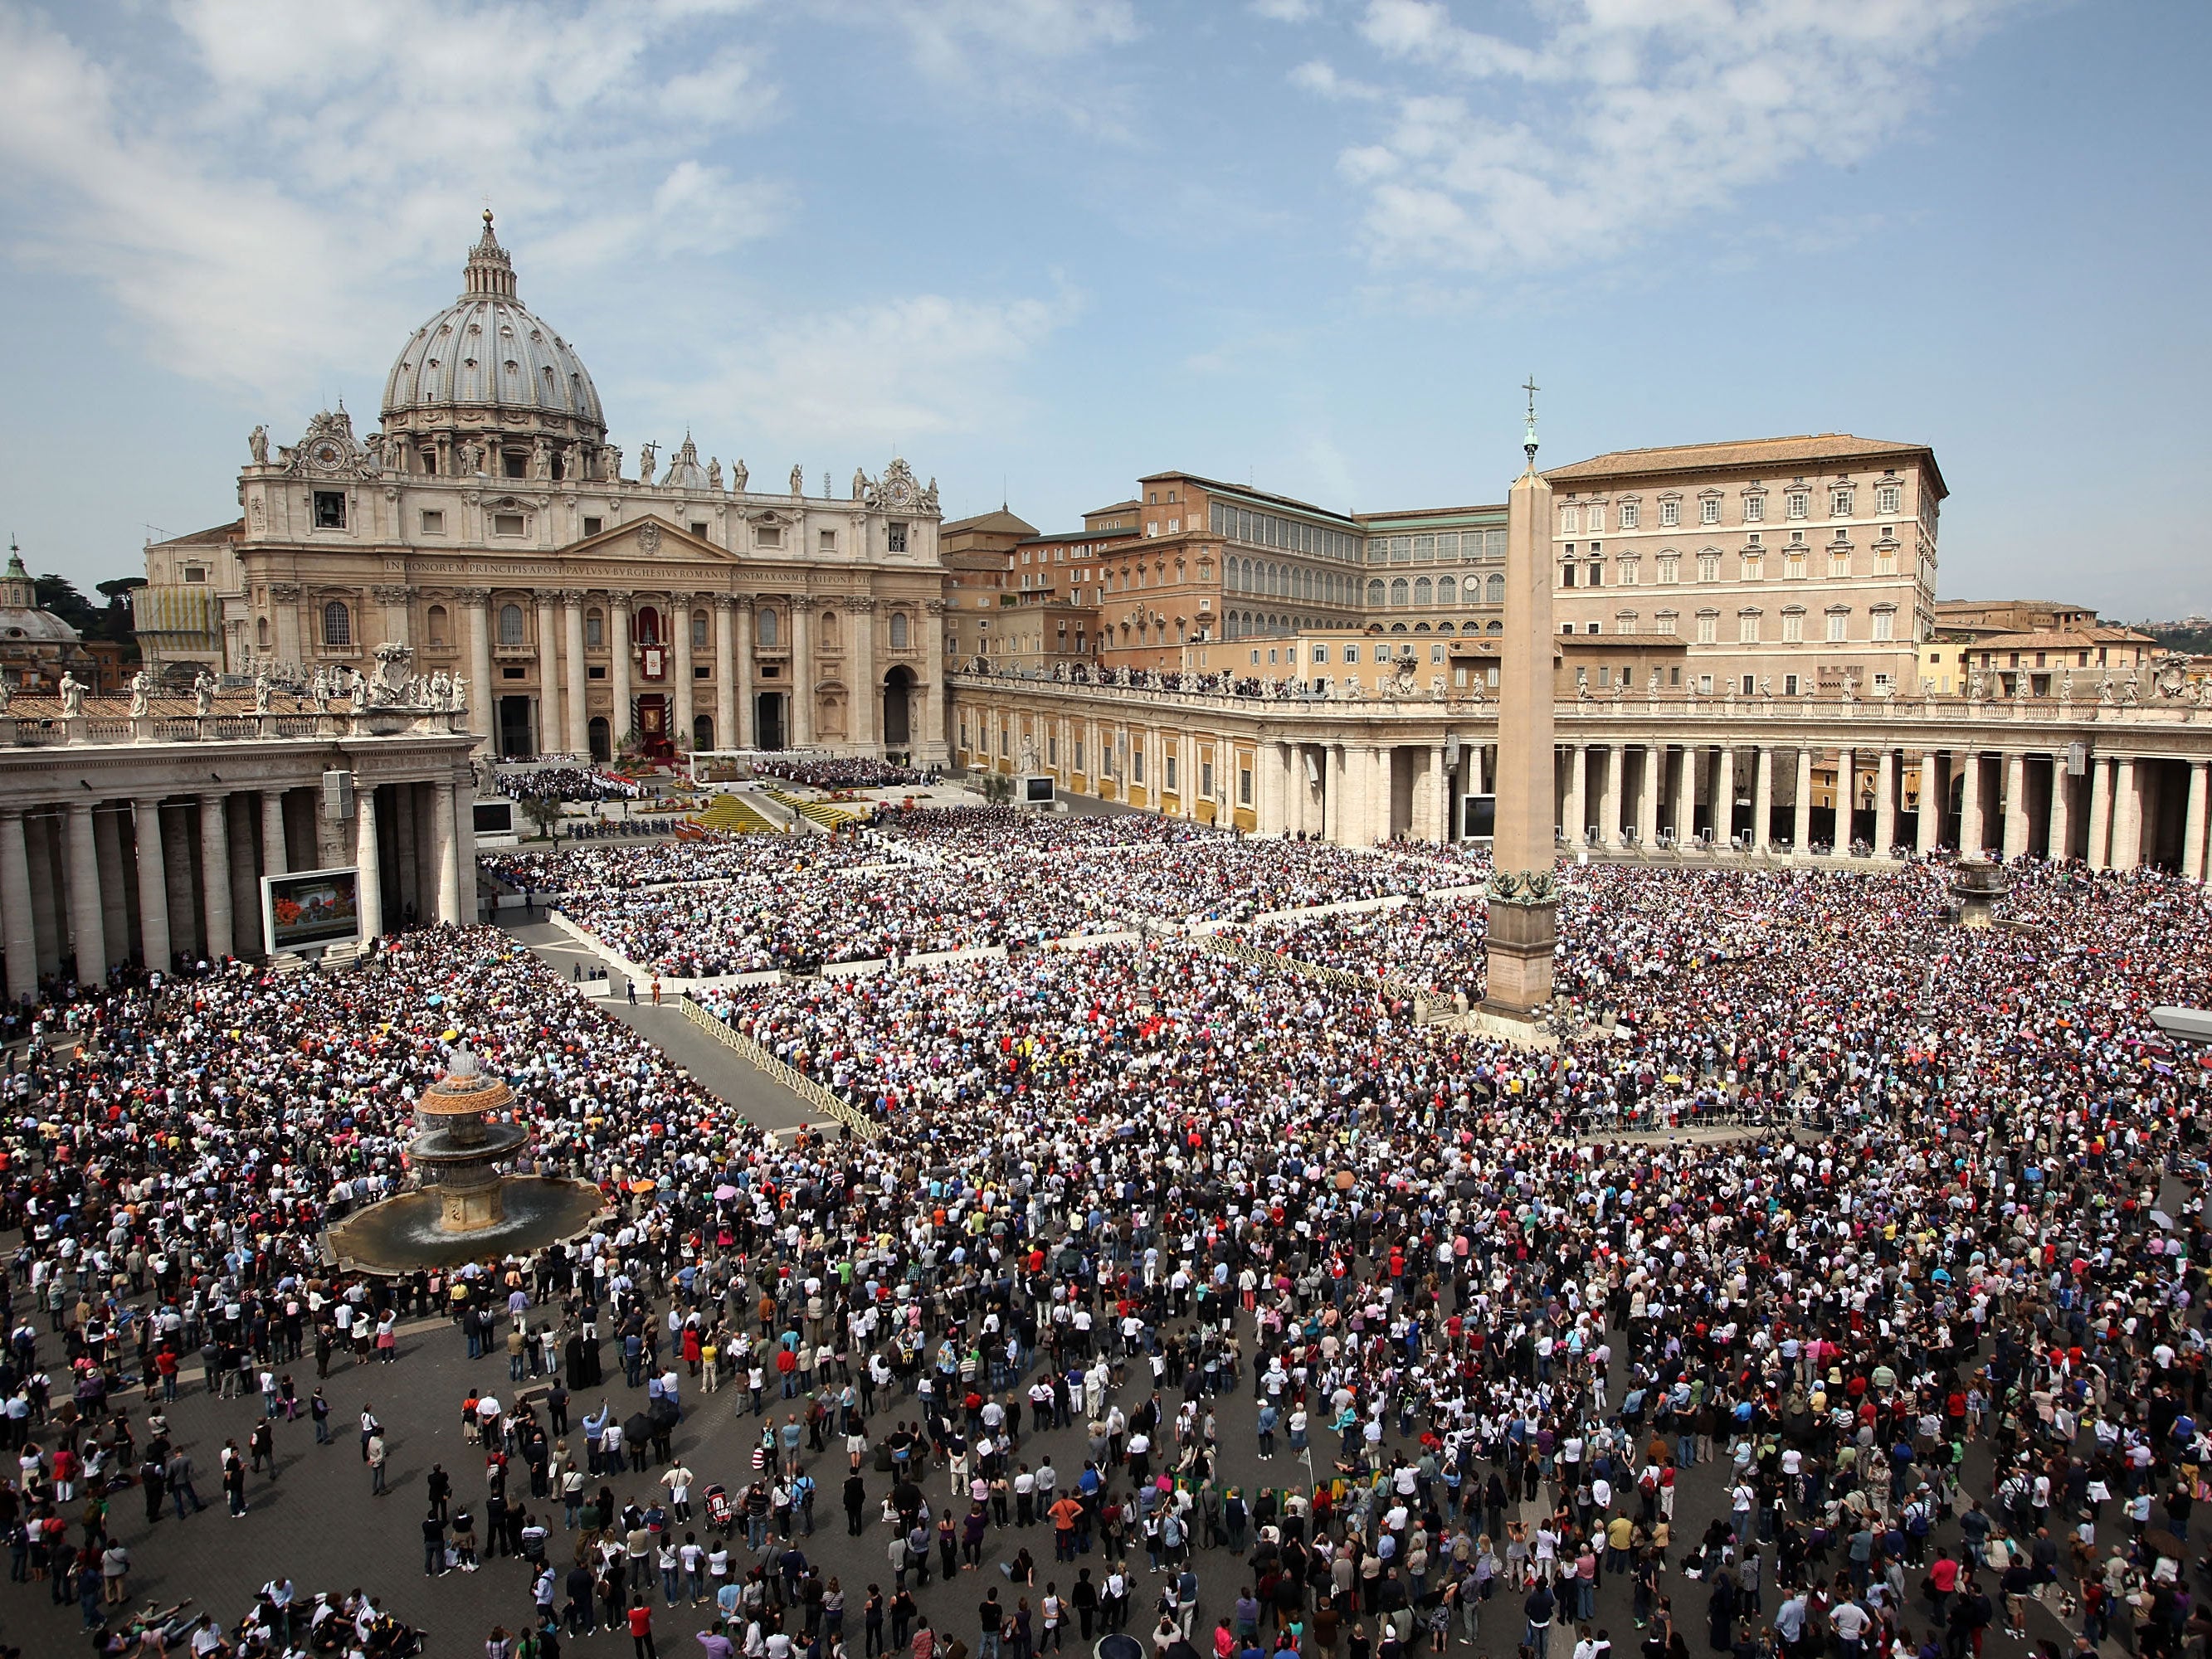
{"type": "Point", "coordinates": [489, 525]}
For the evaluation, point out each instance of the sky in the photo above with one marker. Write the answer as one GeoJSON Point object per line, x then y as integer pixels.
{"type": "Point", "coordinates": [1042, 247]}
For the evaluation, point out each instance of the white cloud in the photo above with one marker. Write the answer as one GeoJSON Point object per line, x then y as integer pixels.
{"type": "Point", "coordinates": [1617, 118]}
{"type": "Point", "coordinates": [1320, 78]}
{"type": "Point", "coordinates": [1020, 55]}
{"type": "Point", "coordinates": [1287, 11]}
{"type": "Point", "coordinates": [258, 185]}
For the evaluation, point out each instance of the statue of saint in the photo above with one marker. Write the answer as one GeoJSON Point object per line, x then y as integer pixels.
{"type": "Point", "coordinates": [142, 694]}
{"type": "Point", "coordinates": [859, 483]}
{"type": "Point", "coordinates": [204, 694]}
{"type": "Point", "coordinates": [738, 475]}
{"type": "Point", "coordinates": [714, 474]}
{"type": "Point", "coordinates": [798, 481]}
{"type": "Point", "coordinates": [263, 685]}
{"type": "Point", "coordinates": [459, 699]}
{"type": "Point", "coordinates": [647, 456]}
{"type": "Point", "coordinates": [256, 444]}
{"type": "Point", "coordinates": [72, 695]}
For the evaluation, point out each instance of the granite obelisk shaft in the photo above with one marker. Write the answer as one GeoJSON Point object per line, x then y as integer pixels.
{"type": "Point", "coordinates": [1523, 913]}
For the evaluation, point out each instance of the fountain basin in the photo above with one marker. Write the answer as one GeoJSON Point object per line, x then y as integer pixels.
{"type": "Point", "coordinates": [517, 1214]}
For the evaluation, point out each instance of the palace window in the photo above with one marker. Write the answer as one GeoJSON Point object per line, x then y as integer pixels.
{"type": "Point", "coordinates": [1746, 628]}
{"type": "Point", "coordinates": [593, 524]}
{"type": "Point", "coordinates": [698, 630]}
{"type": "Point", "coordinates": [1888, 498]}
{"type": "Point", "coordinates": [1670, 568]}
{"type": "Point", "coordinates": [507, 523]}
{"type": "Point", "coordinates": [1628, 515]}
{"type": "Point", "coordinates": [1709, 511]}
{"type": "Point", "coordinates": [510, 624]}
{"type": "Point", "coordinates": [338, 624]}
{"type": "Point", "coordinates": [595, 628]}
{"type": "Point", "coordinates": [1709, 567]}
{"type": "Point", "coordinates": [1494, 590]}
{"type": "Point", "coordinates": [1755, 509]}
{"type": "Point", "coordinates": [1884, 624]}
{"type": "Point", "coordinates": [1670, 513]}
{"type": "Point", "coordinates": [1797, 503]}
{"type": "Point", "coordinates": [1447, 591]}
{"type": "Point", "coordinates": [1708, 627]}
{"type": "Point", "coordinates": [1793, 626]}
{"type": "Point", "coordinates": [1838, 620]}
{"type": "Point", "coordinates": [765, 628]}
{"type": "Point", "coordinates": [1839, 503]}
{"type": "Point", "coordinates": [898, 630]}
{"type": "Point", "coordinates": [647, 627]}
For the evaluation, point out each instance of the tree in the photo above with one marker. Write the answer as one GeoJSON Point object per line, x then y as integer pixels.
{"type": "Point", "coordinates": [997, 788]}
{"type": "Point", "coordinates": [543, 812]}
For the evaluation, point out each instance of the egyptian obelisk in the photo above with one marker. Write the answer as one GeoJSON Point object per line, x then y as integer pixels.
{"type": "Point", "coordinates": [1524, 907]}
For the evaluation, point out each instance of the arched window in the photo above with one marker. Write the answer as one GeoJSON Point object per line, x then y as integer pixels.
{"type": "Point", "coordinates": [433, 621]}
{"type": "Point", "coordinates": [1397, 628]}
{"type": "Point", "coordinates": [766, 627]}
{"type": "Point", "coordinates": [1420, 627]}
{"type": "Point", "coordinates": [1494, 590]}
{"type": "Point", "coordinates": [1423, 593]}
{"type": "Point", "coordinates": [595, 628]}
{"type": "Point", "coordinates": [1446, 628]}
{"type": "Point", "coordinates": [510, 624]}
{"type": "Point", "coordinates": [1398, 591]}
{"type": "Point", "coordinates": [338, 623]}
{"type": "Point", "coordinates": [698, 630]}
{"type": "Point", "coordinates": [647, 625]}
{"type": "Point", "coordinates": [1494, 626]}
{"type": "Point", "coordinates": [898, 630]}
{"type": "Point", "coordinates": [1375, 590]}
{"type": "Point", "coordinates": [1447, 591]}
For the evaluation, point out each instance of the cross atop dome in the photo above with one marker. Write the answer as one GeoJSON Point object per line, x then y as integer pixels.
{"type": "Point", "coordinates": [489, 271]}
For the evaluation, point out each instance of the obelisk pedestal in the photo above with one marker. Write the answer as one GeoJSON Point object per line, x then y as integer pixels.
{"type": "Point", "coordinates": [1523, 902]}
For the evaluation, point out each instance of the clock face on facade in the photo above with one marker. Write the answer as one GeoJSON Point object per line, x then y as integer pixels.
{"type": "Point", "coordinates": [326, 453]}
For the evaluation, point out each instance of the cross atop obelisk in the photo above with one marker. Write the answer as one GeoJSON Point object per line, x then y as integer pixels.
{"type": "Point", "coordinates": [1523, 925]}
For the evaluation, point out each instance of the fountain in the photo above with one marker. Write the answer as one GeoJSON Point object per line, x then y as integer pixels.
{"type": "Point", "coordinates": [464, 1208]}
{"type": "Point", "coordinates": [1977, 884]}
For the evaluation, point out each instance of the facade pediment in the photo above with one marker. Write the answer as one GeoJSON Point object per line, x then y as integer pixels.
{"type": "Point", "coordinates": [651, 537]}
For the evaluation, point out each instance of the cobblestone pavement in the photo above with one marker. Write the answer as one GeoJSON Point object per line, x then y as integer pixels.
{"type": "Point", "coordinates": [318, 1522]}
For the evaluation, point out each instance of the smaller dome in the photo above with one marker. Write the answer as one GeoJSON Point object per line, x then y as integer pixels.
{"type": "Point", "coordinates": [685, 472]}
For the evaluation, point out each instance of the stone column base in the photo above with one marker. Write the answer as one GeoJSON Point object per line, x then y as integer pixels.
{"type": "Point", "coordinates": [1522, 937]}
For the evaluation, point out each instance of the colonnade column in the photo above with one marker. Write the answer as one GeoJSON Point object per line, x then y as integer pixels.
{"type": "Point", "coordinates": [367, 861]}
{"type": "Point", "coordinates": [16, 913]}
{"type": "Point", "coordinates": [483, 704]}
{"type": "Point", "coordinates": [465, 841]}
{"type": "Point", "coordinates": [2015, 805]}
{"type": "Point", "coordinates": [725, 671]}
{"type": "Point", "coordinates": [1762, 798]}
{"type": "Point", "coordinates": [1608, 811]}
{"type": "Point", "coordinates": [1382, 794]}
{"type": "Point", "coordinates": [1333, 827]}
{"type": "Point", "coordinates": [449, 884]}
{"type": "Point", "coordinates": [576, 731]}
{"type": "Point", "coordinates": [2127, 815]}
{"type": "Point", "coordinates": [1884, 802]}
{"type": "Point", "coordinates": [2061, 833]}
{"type": "Point", "coordinates": [925, 712]}
{"type": "Point", "coordinates": [1577, 821]}
{"type": "Point", "coordinates": [1971, 830]}
{"type": "Point", "coordinates": [154, 946]}
{"type": "Point", "coordinates": [86, 935]}
{"type": "Point", "coordinates": [114, 904]}
{"type": "Point", "coordinates": [1847, 793]}
{"type": "Point", "coordinates": [1686, 797]}
{"type": "Point", "coordinates": [801, 723]}
{"type": "Point", "coordinates": [742, 624]}
{"type": "Point", "coordinates": [1440, 795]}
{"type": "Point", "coordinates": [215, 878]}
{"type": "Point", "coordinates": [1801, 814]}
{"type": "Point", "coordinates": [244, 883]}
{"type": "Point", "coordinates": [679, 640]}
{"type": "Point", "coordinates": [2192, 823]}
{"type": "Point", "coordinates": [2100, 814]}
{"type": "Point", "coordinates": [1724, 794]}
{"type": "Point", "coordinates": [1647, 796]}
{"type": "Point", "coordinates": [549, 674]}
{"type": "Point", "coordinates": [1929, 828]}
{"type": "Point", "coordinates": [276, 858]}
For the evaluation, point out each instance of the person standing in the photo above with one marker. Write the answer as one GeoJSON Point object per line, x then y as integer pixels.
{"type": "Point", "coordinates": [640, 1627]}
{"type": "Point", "coordinates": [377, 1453]}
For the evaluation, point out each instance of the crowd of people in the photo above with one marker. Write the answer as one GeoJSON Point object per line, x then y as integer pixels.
{"type": "Point", "coordinates": [1925, 1344]}
{"type": "Point", "coordinates": [569, 783]}
{"type": "Point", "coordinates": [844, 772]}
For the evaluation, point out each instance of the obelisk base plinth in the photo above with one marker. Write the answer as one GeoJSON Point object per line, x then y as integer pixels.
{"type": "Point", "coordinates": [1522, 937]}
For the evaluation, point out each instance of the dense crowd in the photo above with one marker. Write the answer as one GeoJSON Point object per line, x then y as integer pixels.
{"type": "Point", "coordinates": [843, 772]}
{"type": "Point", "coordinates": [711, 857]}
{"type": "Point", "coordinates": [1189, 1210]}
{"type": "Point", "coordinates": [569, 783]}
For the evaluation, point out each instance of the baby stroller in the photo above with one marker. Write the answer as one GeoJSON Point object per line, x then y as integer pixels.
{"type": "Point", "coordinates": [721, 1514]}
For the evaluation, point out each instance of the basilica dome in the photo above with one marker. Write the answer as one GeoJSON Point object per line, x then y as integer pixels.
{"type": "Point", "coordinates": [485, 362]}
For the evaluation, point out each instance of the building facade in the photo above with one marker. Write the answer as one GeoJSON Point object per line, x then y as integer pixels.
{"type": "Point", "coordinates": [489, 525]}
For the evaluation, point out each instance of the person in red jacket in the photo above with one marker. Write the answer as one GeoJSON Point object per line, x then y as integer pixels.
{"type": "Point", "coordinates": [640, 1627]}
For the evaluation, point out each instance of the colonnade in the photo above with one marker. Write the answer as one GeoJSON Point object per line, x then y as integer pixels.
{"type": "Point", "coordinates": [2115, 791]}
{"type": "Point", "coordinates": [160, 870]}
